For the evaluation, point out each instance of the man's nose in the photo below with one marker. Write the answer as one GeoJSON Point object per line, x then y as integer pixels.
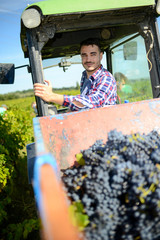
{"type": "Point", "coordinates": [88, 58]}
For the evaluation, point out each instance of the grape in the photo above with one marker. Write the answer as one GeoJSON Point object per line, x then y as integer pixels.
{"type": "Point", "coordinates": [119, 187]}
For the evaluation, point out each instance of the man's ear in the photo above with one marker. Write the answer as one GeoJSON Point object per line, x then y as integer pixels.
{"type": "Point", "coordinates": [101, 55]}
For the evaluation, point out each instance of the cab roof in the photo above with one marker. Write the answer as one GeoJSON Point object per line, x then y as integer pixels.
{"type": "Point", "coordinates": [55, 7]}
{"type": "Point", "coordinates": [76, 20]}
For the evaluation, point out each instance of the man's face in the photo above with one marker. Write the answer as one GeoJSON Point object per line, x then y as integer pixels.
{"type": "Point", "coordinates": [91, 58]}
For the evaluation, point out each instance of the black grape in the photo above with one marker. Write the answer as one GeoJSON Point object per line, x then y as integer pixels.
{"type": "Point", "coordinates": [119, 187]}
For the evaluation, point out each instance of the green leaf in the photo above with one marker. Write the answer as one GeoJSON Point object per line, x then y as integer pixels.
{"type": "Point", "coordinates": [80, 159]}
{"type": "Point", "coordinates": [78, 217]}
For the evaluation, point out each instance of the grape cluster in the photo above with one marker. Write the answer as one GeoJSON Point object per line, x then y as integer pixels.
{"type": "Point", "coordinates": [119, 187]}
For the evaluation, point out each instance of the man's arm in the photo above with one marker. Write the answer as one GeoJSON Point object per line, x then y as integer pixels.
{"type": "Point", "coordinates": [78, 104]}
{"type": "Point", "coordinates": [45, 92]}
{"type": "Point", "coordinates": [103, 93]}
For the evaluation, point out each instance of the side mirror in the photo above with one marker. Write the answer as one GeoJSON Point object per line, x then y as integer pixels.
{"type": "Point", "coordinates": [130, 50]}
{"type": "Point", "coordinates": [7, 73]}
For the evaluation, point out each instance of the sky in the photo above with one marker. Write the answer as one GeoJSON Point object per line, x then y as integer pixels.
{"type": "Point", "coordinates": [10, 46]}
{"type": "Point", "coordinates": [11, 52]}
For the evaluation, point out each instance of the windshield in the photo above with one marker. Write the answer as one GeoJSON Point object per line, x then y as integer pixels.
{"type": "Point", "coordinates": [67, 76]}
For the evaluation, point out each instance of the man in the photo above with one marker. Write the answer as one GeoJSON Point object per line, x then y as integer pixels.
{"type": "Point", "coordinates": [97, 88]}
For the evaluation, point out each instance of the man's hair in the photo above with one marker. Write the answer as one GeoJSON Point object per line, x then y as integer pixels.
{"type": "Point", "coordinates": [91, 41]}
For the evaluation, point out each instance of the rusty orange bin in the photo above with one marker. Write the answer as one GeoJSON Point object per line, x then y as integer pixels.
{"type": "Point", "coordinates": [60, 137]}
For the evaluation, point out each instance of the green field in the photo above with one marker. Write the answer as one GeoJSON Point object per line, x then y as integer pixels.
{"type": "Point", "coordinates": [139, 90]}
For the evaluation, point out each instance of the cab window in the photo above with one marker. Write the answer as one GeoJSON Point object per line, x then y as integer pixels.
{"type": "Point", "coordinates": [131, 70]}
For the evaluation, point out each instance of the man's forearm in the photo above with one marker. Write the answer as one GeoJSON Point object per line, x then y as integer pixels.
{"type": "Point", "coordinates": [57, 98]}
{"type": "Point", "coordinates": [79, 104]}
{"type": "Point", "coordinates": [45, 92]}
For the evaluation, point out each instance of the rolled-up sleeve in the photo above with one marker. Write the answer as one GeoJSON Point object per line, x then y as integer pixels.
{"type": "Point", "coordinates": [68, 102]}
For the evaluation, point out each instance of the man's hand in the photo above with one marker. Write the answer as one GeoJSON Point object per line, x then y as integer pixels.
{"type": "Point", "coordinates": [45, 92]}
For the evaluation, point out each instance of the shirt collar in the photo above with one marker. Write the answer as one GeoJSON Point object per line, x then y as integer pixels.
{"type": "Point", "coordinates": [95, 74]}
{"type": "Point", "coordinates": [98, 72]}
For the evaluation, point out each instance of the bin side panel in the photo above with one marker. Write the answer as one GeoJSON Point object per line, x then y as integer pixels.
{"type": "Point", "coordinates": [67, 134]}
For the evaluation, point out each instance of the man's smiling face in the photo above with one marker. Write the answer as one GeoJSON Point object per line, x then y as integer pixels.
{"type": "Point", "coordinates": [91, 58]}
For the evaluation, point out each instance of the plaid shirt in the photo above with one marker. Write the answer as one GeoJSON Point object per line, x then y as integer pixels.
{"type": "Point", "coordinates": [96, 91]}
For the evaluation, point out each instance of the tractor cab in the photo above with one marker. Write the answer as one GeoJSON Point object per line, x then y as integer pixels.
{"type": "Point", "coordinates": [51, 32]}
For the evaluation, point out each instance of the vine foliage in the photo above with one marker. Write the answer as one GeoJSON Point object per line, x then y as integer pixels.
{"type": "Point", "coordinates": [18, 214]}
